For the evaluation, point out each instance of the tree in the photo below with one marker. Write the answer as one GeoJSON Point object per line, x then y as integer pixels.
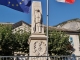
{"type": "Point", "coordinates": [59, 43]}
{"type": "Point", "coordinates": [22, 40]}
{"type": "Point", "coordinates": [11, 42]}
{"type": "Point", "coordinates": [6, 39]}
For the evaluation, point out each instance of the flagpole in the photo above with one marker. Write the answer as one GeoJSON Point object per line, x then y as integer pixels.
{"type": "Point", "coordinates": [47, 27]}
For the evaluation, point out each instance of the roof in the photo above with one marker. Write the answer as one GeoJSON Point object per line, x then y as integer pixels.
{"type": "Point", "coordinates": [71, 20]}
{"type": "Point", "coordinates": [61, 29]}
{"type": "Point", "coordinates": [19, 24]}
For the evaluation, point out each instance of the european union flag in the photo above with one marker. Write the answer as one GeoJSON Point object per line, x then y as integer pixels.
{"type": "Point", "coordinates": [20, 5]}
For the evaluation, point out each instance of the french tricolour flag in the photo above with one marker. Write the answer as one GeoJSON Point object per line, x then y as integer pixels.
{"type": "Point", "coordinates": [66, 1]}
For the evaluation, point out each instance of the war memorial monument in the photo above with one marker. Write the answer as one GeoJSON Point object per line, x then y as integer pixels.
{"type": "Point", "coordinates": [37, 39]}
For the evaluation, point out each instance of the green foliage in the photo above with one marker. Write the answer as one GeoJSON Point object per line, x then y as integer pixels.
{"type": "Point", "coordinates": [59, 43]}
{"type": "Point", "coordinates": [10, 42]}
{"type": "Point", "coordinates": [5, 38]}
{"type": "Point", "coordinates": [22, 40]}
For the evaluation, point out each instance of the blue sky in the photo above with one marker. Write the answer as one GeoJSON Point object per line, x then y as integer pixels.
{"type": "Point", "coordinates": [58, 12]}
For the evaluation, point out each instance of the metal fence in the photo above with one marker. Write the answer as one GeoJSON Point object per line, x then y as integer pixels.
{"type": "Point", "coordinates": [39, 58]}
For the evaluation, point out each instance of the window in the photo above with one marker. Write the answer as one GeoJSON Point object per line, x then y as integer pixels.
{"type": "Point", "coordinates": [71, 41]}
{"type": "Point", "coordinates": [79, 47]}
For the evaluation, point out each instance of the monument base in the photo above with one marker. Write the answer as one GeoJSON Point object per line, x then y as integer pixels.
{"type": "Point", "coordinates": [38, 46]}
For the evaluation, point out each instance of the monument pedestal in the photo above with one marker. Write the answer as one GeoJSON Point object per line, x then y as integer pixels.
{"type": "Point", "coordinates": [38, 46]}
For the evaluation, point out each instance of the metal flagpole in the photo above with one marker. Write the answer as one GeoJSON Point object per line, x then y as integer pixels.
{"type": "Point", "coordinates": [47, 27]}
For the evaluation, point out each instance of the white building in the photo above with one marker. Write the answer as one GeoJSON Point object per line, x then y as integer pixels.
{"type": "Point", "coordinates": [21, 26]}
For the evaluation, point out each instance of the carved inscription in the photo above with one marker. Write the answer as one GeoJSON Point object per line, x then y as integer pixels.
{"type": "Point", "coordinates": [39, 48]}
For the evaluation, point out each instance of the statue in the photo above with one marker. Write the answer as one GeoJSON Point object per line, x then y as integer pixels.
{"type": "Point", "coordinates": [37, 21]}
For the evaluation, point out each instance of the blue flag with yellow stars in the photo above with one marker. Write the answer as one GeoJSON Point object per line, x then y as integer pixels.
{"type": "Point", "coordinates": [20, 5]}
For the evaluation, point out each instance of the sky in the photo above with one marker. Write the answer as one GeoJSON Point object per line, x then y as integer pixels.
{"type": "Point", "coordinates": [58, 13]}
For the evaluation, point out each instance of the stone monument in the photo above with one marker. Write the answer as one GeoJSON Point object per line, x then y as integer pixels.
{"type": "Point", "coordinates": [37, 40]}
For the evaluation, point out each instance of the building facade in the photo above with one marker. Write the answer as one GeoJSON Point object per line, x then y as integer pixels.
{"type": "Point", "coordinates": [21, 26]}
